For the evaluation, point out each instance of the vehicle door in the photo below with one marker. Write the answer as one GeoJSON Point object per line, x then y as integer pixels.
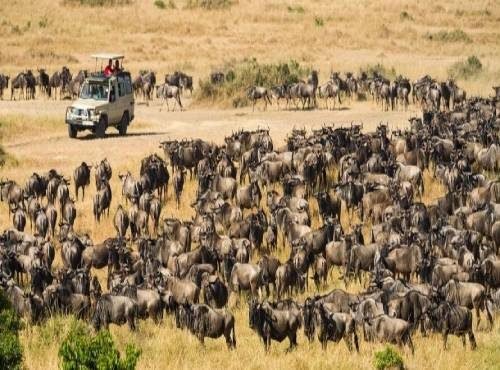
{"type": "Point", "coordinates": [114, 114]}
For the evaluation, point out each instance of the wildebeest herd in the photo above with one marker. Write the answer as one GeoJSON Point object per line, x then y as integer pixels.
{"type": "Point", "coordinates": [63, 84]}
{"type": "Point", "coordinates": [426, 92]}
{"type": "Point", "coordinates": [422, 266]}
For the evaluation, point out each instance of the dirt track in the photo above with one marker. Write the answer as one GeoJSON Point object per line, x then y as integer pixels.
{"type": "Point", "coordinates": [152, 124]}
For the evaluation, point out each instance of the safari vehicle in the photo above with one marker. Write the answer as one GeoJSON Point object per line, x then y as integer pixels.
{"type": "Point", "coordinates": [104, 101]}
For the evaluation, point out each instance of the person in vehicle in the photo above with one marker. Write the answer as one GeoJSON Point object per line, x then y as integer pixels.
{"type": "Point", "coordinates": [117, 68]}
{"type": "Point", "coordinates": [108, 71]}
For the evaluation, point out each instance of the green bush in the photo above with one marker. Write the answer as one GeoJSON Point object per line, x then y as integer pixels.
{"type": "Point", "coordinates": [239, 77]}
{"type": "Point", "coordinates": [209, 4]}
{"type": "Point", "coordinates": [11, 353]}
{"type": "Point", "coordinates": [81, 350]}
{"type": "Point", "coordinates": [319, 22]}
{"type": "Point", "coordinates": [405, 16]}
{"type": "Point", "coordinates": [299, 9]}
{"type": "Point", "coordinates": [388, 358]}
{"type": "Point", "coordinates": [465, 69]}
{"type": "Point", "coordinates": [159, 4]}
{"type": "Point", "coordinates": [380, 69]}
{"type": "Point", "coordinates": [456, 35]}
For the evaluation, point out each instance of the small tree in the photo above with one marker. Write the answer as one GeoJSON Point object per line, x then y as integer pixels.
{"type": "Point", "coordinates": [81, 350]}
{"type": "Point", "coordinates": [11, 353]}
{"type": "Point", "coordinates": [388, 358]}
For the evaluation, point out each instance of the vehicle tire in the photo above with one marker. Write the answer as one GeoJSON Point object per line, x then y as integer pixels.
{"type": "Point", "coordinates": [122, 127]}
{"type": "Point", "coordinates": [100, 128]}
{"type": "Point", "coordinates": [72, 131]}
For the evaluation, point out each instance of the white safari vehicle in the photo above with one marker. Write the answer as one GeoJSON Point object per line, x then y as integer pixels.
{"type": "Point", "coordinates": [104, 101]}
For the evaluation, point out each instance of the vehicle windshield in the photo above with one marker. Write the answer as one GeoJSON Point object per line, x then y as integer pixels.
{"type": "Point", "coordinates": [94, 90]}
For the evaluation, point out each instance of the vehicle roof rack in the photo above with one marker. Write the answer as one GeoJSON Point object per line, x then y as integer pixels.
{"type": "Point", "coordinates": [108, 56]}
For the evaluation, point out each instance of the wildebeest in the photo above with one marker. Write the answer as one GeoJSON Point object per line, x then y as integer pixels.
{"type": "Point", "coordinates": [450, 318]}
{"type": "Point", "coordinates": [81, 178]}
{"type": "Point", "coordinates": [274, 324]}
{"type": "Point", "coordinates": [111, 309]}
{"type": "Point", "coordinates": [258, 92]}
{"type": "Point", "coordinates": [166, 91]}
{"type": "Point", "coordinates": [102, 200]}
{"type": "Point", "coordinates": [203, 321]}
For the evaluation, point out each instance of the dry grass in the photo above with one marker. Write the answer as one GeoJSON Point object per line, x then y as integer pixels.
{"type": "Point", "coordinates": [341, 35]}
{"type": "Point", "coordinates": [165, 347]}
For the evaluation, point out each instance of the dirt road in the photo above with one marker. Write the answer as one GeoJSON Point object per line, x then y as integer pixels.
{"type": "Point", "coordinates": [153, 124]}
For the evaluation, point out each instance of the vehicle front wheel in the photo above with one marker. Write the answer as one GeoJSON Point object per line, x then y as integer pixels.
{"type": "Point", "coordinates": [100, 128]}
{"type": "Point", "coordinates": [122, 127]}
{"type": "Point", "coordinates": [72, 131]}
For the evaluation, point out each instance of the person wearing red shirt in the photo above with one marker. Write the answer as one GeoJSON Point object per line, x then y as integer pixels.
{"type": "Point", "coordinates": [108, 71]}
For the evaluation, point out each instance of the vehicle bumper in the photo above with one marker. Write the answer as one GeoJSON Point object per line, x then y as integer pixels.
{"type": "Point", "coordinates": [81, 124]}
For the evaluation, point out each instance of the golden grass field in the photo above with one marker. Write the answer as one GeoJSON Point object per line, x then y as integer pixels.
{"type": "Point", "coordinates": [327, 35]}
{"type": "Point", "coordinates": [49, 34]}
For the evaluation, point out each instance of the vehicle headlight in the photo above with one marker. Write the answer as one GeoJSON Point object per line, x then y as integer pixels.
{"type": "Point", "coordinates": [93, 113]}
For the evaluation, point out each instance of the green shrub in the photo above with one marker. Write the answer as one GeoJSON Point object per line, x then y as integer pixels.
{"type": "Point", "coordinates": [240, 76]}
{"type": "Point", "coordinates": [299, 9]}
{"type": "Point", "coordinates": [11, 353]}
{"type": "Point", "coordinates": [388, 358]}
{"type": "Point", "coordinates": [319, 22]}
{"type": "Point", "coordinates": [81, 350]}
{"type": "Point", "coordinates": [209, 4]}
{"type": "Point", "coordinates": [456, 35]}
{"type": "Point", "coordinates": [405, 16]}
{"type": "Point", "coordinates": [380, 69]}
{"type": "Point", "coordinates": [43, 22]}
{"type": "Point", "coordinates": [159, 4]}
{"type": "Point", "coordinates": [465, 69]}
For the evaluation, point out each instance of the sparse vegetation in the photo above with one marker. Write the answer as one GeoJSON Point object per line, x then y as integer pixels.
{"type": "Point", "coordinates": [466, 69]}
{"type": "Point", "coordinates": [456, 35]}
{"type": "Point", "coordinates": [239, 77]}
{"type": "Point", "coordinates": [81, 350]}
{"type": "Point", "coordinates": [379, 69]}
{"type": "Point", "coordinates": [97, 2]}
{"type": "Point", "coordinates": [11, 354]}
{"type": "Point", "coordinates": [405, 16]}
{"type": "Point", "coordinates": [388, 358]}
{"type": "Point", "coordinates": [319, 22]}
{"type": "Point", "coordinates": [209, 4]}
{"type": "Point", "coordinates": [299, 9]}
{"type": "Point", "coordinates": [160, 4]}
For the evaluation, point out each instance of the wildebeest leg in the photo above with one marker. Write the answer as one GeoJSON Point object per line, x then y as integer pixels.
{"type": "Point", "coordinates": [410, 342]}
{"type": "Point", "coordinates": [478, 314]}
{"type": "Point", "coordinates": [472, 340]}
{"type": "Point", "coordinates": [445, 338]}
{"type": "Point", "coordinates": [179, 102]}
{"type": "Point", "coordinates": [293, 341]}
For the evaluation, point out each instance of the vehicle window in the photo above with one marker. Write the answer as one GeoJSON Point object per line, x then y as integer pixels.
{"type": "Point", "coordinates": [122, 86]}
{"type": "Point", "coordinates": [128, 85]}
{"type": "Point", "coordinates": [121, 90]}
{"type": "Point", "coordinates": [94, 90]}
